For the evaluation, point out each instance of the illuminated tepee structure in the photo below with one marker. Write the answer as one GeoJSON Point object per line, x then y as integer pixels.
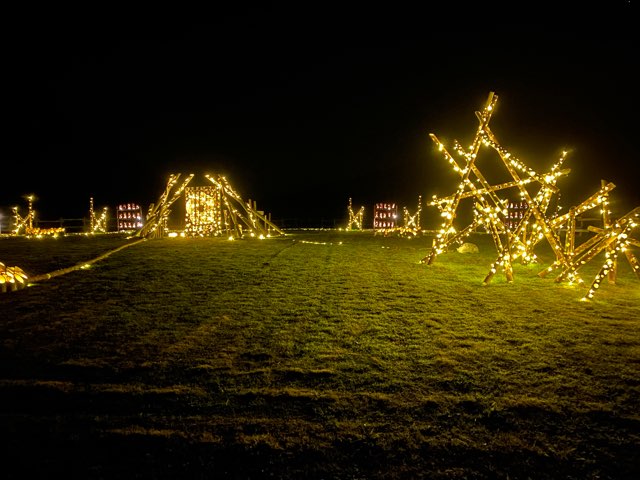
{"type": "Point", "coordinates": [225, 213]}
{"type": "Point", "coordinates": [212, 210]}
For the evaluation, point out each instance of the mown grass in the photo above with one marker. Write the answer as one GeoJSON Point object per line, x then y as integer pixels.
{"type": "Point", "coordinates": [315, 355]}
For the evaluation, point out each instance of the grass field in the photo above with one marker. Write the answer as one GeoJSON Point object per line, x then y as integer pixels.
{"type": "Point", "coordinates": [320, 354]}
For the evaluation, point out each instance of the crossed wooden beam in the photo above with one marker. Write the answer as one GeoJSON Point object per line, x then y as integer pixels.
{"type": "Point", "coordinates": [537, 223]}
{"type": "Point", "coordinates": [156, 221]}
{"type": "Point", "coordinates": [97, 224]}
{"type": "Point", "coordinates": [614, 238]}
{"type": "Point", "coordinates": [240, 215]}
{"type": "Point", "coordinates": [24, 223]}
{"type": "Point", "coordinates": [489, 207]}
{"type": "Point", "coordinates": [411, 223]}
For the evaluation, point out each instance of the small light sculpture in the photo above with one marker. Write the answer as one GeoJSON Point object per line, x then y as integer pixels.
{"type": "Point", "coordinates": [97, 224]}
{"type": "Point", "coordinates": [411, 223]}
{"type": "Point", "coordinates": [25, 224]}
{"type": "Point", "coordinates": [355, 219]}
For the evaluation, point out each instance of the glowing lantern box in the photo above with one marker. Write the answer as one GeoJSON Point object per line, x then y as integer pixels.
{"type": "Point", "coordinates": [203, 211]}
{"type": "Point", "coordinates": [385, 216]}
{"type": "Point", "coordinates": [129, 216]}
{"type": "Point", "coordinates": [516, 211]}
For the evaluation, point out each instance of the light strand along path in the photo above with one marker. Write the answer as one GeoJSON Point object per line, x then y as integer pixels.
{"type": "Point", "coordinates": [62, 271]}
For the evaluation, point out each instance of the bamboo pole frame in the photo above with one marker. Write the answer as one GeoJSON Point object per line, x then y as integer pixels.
{"type": "Point", "coordinates": [159, 212]}
{"type": "Point", "coordinates": [239, 215]}
{"type": "Point", "coordinates": [355, 219]}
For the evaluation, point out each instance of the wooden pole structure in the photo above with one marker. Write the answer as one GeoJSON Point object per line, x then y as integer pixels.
{"type": "Point", "coordinates": [159, 212]}
{"type": "Point", "coordinates": [606, 224]}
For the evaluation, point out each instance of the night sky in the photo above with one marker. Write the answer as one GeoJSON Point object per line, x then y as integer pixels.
{"type": "Point", "coordinates": [303, 107]}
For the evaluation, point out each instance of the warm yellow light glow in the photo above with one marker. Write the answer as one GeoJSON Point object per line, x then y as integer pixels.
{"type": "Point", "coordinates": [128, 217]}
{"type": "Point", "coordinates": [12, 278]}
{"type": "Point", "coordinates": [516, 233]}
{"type": "Point", "coordinates": [97, 224]}
{"type": "Point", "coordinates": [355, 219]}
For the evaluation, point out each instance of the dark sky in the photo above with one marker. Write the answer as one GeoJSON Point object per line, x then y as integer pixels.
{"type": "Point", "coordinates": [303, 107]}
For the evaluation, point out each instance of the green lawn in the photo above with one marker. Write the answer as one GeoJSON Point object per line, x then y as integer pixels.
{"type": "Point", "coordinates": [320, 354]}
